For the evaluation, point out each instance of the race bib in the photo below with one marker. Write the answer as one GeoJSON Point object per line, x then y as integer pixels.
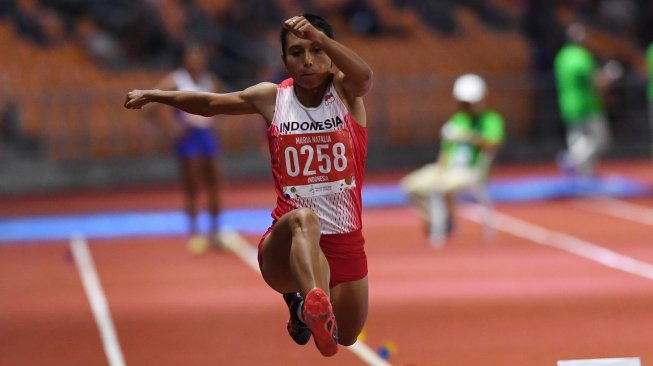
{"type": "Point", "coordinates": [316, 164]}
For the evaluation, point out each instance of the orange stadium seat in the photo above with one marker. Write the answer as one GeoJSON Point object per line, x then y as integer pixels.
{"type": "Point", "coordinates": [74, 105]}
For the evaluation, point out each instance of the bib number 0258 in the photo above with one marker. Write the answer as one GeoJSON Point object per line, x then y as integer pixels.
{"type": "Point", "coordinates": [310, 160]}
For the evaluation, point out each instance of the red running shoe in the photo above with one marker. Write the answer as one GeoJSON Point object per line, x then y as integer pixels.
{"type": "Point", "coordinates": [318, 315]}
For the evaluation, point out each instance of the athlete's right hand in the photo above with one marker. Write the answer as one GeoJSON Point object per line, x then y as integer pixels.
{"type": "Point", "coordinates": [302, 28]}
{"type": "Point", "coordinates": [136, 99]}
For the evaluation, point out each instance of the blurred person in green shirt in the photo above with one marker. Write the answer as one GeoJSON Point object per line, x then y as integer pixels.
{"type": "Point", "coordinates": [649, 90]}
{"type": "Point", "coordinates": [469, 141]}
{"type": "Point", "coordinates": [579, 82]}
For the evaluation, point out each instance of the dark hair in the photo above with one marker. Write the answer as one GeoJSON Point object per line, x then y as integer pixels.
{"type": "Point", "coordinates": [316, 21]}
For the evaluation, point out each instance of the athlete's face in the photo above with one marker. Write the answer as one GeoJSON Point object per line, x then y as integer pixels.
{"type": "Point", "coordinates": [306, 62]}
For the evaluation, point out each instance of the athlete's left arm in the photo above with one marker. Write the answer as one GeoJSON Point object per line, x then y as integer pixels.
{"type": "Point", "coordinates": [354, 78]}
{"type": "Point", "coordinates": [355, 74]}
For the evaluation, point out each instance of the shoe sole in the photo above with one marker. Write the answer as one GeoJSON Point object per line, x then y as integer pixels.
{"type": "Point", "coordinates": [317, 313]}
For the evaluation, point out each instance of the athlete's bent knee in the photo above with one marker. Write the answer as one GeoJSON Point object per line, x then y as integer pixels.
{"type": "Point", "coordinates": [305, 219]}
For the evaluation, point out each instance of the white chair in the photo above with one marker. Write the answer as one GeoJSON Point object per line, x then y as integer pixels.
{"type": "Point", "coordinates": [479, 192]}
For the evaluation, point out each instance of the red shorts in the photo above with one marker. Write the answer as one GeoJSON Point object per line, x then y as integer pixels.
{"type": "Point", "coordinates": [345, 254]}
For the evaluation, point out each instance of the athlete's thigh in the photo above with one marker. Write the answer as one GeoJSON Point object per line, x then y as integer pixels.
{"type": "Point", "coordinates": [350, 304]}
{"type": "Point", "coordinates": [275, 257]}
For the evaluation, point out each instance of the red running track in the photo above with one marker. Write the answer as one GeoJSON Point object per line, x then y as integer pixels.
{"type": "Point", "coordinates": [509, 302]}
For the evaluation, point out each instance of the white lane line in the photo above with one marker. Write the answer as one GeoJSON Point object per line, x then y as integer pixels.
{"type": "Point", "coordinates": [97, 300]}
{"type": "Point", "coordinates": [561, 241]}
{"type": "Point", "coordinates": [249, 254]}
{"type": "Point", "coordinates": [240, 247]}
{"type": "Point", "coordinates": [365, 353]}
{"type": "Point", "coordinates": [620, 209]}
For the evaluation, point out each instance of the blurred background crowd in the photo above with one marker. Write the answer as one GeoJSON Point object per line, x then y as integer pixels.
{"type": "Point", "coordinates": [67, 64]}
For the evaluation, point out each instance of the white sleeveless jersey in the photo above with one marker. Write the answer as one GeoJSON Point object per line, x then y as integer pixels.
{"type": "Point", "coordinates": [185, 82]}
{"type": "Point", "coordinates": [318, 159]}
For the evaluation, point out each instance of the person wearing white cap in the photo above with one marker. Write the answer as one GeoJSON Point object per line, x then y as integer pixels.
{"type": "Point", "coordinates": [649, 88]}
{"type": "Point", "coordinates": [469, 141]}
